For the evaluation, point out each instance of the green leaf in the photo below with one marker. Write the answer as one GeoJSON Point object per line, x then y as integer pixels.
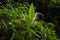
{"type": "Point", "coordinates": [31, 12]}
{"type": "Point", "coordinates": [30, 16]}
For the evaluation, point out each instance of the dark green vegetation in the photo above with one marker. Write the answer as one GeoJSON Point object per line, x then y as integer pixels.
{"type": "Point", "coordinates": [16, 20]}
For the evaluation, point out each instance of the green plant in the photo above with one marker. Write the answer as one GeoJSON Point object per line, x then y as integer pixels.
{"type": "Point", "coordinates": [19, 25]}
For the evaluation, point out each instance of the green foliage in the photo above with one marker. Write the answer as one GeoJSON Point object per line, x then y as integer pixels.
{"type": "Point", "coordinates": [46, 32]}
{"type": "Point", "coordinates": [20, 24]}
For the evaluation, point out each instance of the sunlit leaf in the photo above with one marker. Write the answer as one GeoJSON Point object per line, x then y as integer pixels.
{"type": "Point", "coordinates": [31, 15]}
